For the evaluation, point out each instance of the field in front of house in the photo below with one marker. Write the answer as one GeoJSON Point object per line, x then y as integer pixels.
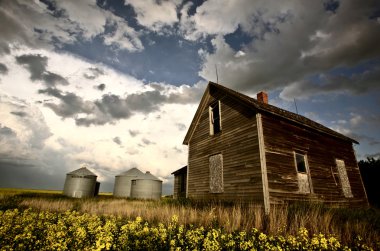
{"type": "Point", "coordinates": [38, 220]}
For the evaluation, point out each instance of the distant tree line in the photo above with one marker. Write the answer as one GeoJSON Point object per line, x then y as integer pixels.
{"type": "Point", "coordinates": [370, 172]}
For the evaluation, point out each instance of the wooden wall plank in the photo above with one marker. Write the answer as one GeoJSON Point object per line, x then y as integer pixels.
{"type": "Point", "coordinates": [238, 143]}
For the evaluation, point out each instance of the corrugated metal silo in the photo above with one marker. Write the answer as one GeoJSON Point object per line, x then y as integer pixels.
{"type": "Point", "coordinates": [146, 186]}
{"type": "Point", "coordinates": [122, 187]}
{"type": "Point", "coordinates": [80, 183]}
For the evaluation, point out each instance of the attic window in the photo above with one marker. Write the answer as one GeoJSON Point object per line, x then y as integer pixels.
{"type": "Point", "coordinates": [303, 175]}
{"type": "Point", "coordinates": [344, 178]}
{"type": "Point", "coordinates": [215, 121]}
{"type": "Point", "coordinates": [216, 173]}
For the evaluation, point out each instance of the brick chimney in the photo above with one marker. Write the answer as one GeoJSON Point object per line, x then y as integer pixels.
{"type": "Point", "coordinates": [262, 97]}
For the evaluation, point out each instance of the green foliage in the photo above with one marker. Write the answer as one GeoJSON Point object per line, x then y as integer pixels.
{"type": "Point", "coordinates": [71, 230]}
{"type": "Point", "coordinates": [370, 172]}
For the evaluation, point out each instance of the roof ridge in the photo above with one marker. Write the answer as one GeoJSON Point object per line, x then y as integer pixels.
{"type": "Point", "coordinates": [300, 119]}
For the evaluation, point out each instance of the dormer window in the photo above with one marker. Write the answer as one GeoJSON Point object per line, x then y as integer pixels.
{"type": "Point", "coordinates": [215, 121]}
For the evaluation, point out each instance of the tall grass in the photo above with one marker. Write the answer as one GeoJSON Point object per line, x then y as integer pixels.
{"type": "Point", "coordinates": [346, 224]}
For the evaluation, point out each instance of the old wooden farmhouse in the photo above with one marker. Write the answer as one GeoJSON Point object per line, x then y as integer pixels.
{"type": "Point", "coordinates": [245, 149]}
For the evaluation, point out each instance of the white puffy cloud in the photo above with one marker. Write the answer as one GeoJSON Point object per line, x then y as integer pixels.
{"type": "Point", "coordinates": [123, 37]}
{"type": "Point", "coordinates": [71, 21]}
{"type": "Point", "coordinates": [155, 15]}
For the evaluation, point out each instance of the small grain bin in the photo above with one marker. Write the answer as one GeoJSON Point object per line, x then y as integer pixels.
{"type": "Point", "coordinates": [122, 187]}
{"type": "Point", "coordinates": [80, 183]}
{"type": "Point", "coordinates": [146, 186]}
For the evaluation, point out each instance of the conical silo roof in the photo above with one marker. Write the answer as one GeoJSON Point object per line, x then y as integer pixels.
{"type": "Point", "coordinates": [82, 172]}
{"type": "Point", "coordinates": [131, 172]}
{"type": "Point", "coordinates": [147, 176]}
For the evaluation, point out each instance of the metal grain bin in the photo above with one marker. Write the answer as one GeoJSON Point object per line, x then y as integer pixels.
{"type": "Point", "coordinates": [80, 183]}
{"type": "Point", "coordinates": [146, 186]}
{"type": "Point", "coordinates": [122, 187]}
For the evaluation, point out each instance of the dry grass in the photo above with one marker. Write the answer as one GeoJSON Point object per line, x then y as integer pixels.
{"type": "Point", "coordinates": [281, 220]}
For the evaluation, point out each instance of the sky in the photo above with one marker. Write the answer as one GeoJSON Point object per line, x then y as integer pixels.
{"type": "Point", "coordinates": [114, 84]}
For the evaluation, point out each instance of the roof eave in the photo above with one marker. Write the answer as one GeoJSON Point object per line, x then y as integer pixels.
{"type": "Point", "coordinates": [194, 122]}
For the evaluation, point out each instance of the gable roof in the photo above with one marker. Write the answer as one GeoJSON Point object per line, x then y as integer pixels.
{"type": "Point", "coordinates": [264, 108]}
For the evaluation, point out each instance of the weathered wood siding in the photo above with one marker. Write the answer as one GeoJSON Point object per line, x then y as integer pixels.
{"type": "Point", "coordinates": [179, 179]}
{"type": "Point", "coordinates": [237, 142]}
{"type": "Point", "coordinates": [282, 138]}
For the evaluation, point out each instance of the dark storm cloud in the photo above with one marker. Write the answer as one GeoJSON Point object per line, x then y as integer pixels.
{"type": "Point", "coordinates": [145, 102]}
{"type": "Point", "coordinates": [20, 114]}
{"type": "Point", "coordinates": [28, 173]}
{"type": "Point", "coordinates": [53, 79]}
{"type": "Point", "coordinates": [70, 104]}
{"type": "Point", "coordinates": [117, 140]}
{"type": "Point", "coordinates": [356, 84]}
{"type": "Point", "coordinates": [111, 107]}
{"type": "Point", "coordinates": [313, 39]}
{"type": "Point", "coordinates": [101, 87]}
{"type": "Point", "coordinates": [3, 69]}
{"type": "Point", "coordinates": [36, 64]}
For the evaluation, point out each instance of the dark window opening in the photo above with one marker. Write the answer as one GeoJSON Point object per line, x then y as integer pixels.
{"type": "Point", "coordinates": [182, 183]}
{"type": "Point", "coordinates": [215, 118]}
{"type": "Point", "coordinates": [300, 162]}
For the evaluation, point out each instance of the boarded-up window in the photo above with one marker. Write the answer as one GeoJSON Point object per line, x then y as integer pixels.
{"type": "Point", "coordinates": [215, 122]}
{"type": "Point", "coordinates": [302, 173]}
{"type": "Point", "coordinates": [344, 178]}
{"type": "Point", "coordinates": [216, 173]}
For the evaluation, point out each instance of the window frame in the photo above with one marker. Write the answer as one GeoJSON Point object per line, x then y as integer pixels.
{"type": "Point", "coordinates": [307, 171]}
{"type": "Point", "coordinates": [212, 106]}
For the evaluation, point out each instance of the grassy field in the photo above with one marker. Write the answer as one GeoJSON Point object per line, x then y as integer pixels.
{"type": "Point", "coordinates": [352, 227]}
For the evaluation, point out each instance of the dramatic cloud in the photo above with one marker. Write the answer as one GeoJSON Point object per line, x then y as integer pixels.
{"type": "Point", "coordinates": [123, 37]}
{"type": "Point", "coordinates": [111, 108]}
{"type": "Point", "coordinates": [274, 58]}
{"type": "Point", "coordinates": [36, 64]}
{"type": "Point", "coordinates": [210, 19]}
{"type": "Point", "coordinates": [25, 159]}
{"type": "Point", "coordinates": [155, 14]}
{"type": "Point", "coordinates": [70, 103]}
{"type": "Point", "coordinates": [101, 87]}
{"type": "Point", "coordinates": [3, 69]}
{"type": "Point", "coordinates": [57, 23]}
{"type": "Point", "coordinates": [115, 84]}
{"type": "Point", "coordinates": [356, 84]}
